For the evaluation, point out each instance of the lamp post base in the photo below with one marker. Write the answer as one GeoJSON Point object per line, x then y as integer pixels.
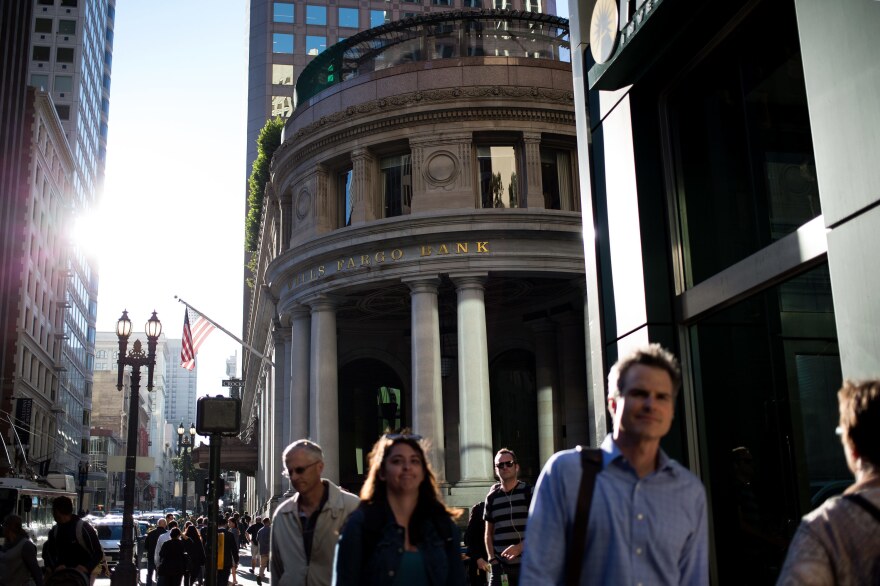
{"type": "Point", "coordinates": [125, 574]}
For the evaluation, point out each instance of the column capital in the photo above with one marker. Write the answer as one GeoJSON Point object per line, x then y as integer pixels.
{"type": "Point", "coordinates": [322, 302]}
{"type": "Point", "coordinates": [470, 280]}
{"type": "Point", "coordinates": [298, 311]}
{"type": "Point", "coordinates": [422, 284]}
{"type": "Point", "coordinates": [531, 137]}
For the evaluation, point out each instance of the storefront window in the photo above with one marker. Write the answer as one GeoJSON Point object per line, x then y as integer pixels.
{"type": "Point", "coordinates": [498, 179]}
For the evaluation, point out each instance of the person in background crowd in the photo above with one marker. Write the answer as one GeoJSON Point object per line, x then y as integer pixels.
{"type": "Point", "coordinates": [264, 538]}
{"type": "Point", "coordinates": [839, 543]}
{"type": "Point", "coordinates": [648, 520]}
{"type": "Point", "coordinates": [505, 512]}
{"type": "Point", "coordinates": [18, 556]}
{"type": "Point", "coordinates": [195, 555]}
{"type": "Point", "coordinates": [401, 533]}
{"type": "Point", "coordinates": [172, 559]}
{"type": "Point", "coordinates": [72, 542]}
{"type": "Point", "coordinates": [306, 526]}
{"type": "Point", "coordinates": [233, 545]}
{"type": "Point", "coordinates": [252, 531]}
{"type": "Point", "coordinates": [475, 542]}
{"type": "Point", "coordinates": [150, 543]}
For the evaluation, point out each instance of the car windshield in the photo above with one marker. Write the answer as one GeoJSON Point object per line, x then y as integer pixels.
{"type": "Point", "coordinates": [109, 531]}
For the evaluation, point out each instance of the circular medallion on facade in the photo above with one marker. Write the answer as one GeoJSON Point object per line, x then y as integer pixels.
{"type": "Point", "coordinates": [303, 203]}
{"type": "Point", "coordinates": [441, 168]}
{"type": "Point", "coordinates": [603, 30]}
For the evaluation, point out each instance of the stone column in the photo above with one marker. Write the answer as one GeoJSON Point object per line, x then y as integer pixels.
{"type": "Point", "coordinates": [280, 404]}
{"type": "Point", "coordinates": [547, 393]}
{"type": "Point", "coordinates": [572, 382]}
{"type": "Point", "coordinates": [475, 412]}
{"type": "Point", "coordinates": [427, 385]}
{"type": "Point", "coordinates": [300, 344]}
{"type": "Point", "coordinates": [326, 206]}
{"type": "Point", "coordinates": [534, 184]}
{"type": "Point", "coordinates": [323, 384]}
{"type": "Point", "coordinates": [364, 199]}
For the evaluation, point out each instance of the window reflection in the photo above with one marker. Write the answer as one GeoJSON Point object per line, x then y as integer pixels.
{"type": "Point", "coordinates": [343, 182]}
{"type": "Point", "coordinates": [282, 12]}
{"type": "Point", "coordinates": [282, 106]}
{"type": "Point", "coordinates": [315, 44]}
{"type": "Point", "coordinates": [316, 15]}
{"type": "Point", "coordinates": [556, 179]}
{"type": "Point", "coordinates": [282, 74]}
{"type": "Point", "coordinates": [498, 179]}
{"type": "Point", "coordinates": [282, 43]}
{"type": "Point", "coordinates": [396, 185]}
{"type": "Point", "coordinates": [348, 17]}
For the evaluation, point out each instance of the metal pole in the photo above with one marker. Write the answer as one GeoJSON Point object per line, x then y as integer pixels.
{"type": "Point", "coordinates": [213, 509]}
{"type": "Point", "coordinates": [126, 572]}
{"type": "Point", "coordinates": [185, 474]}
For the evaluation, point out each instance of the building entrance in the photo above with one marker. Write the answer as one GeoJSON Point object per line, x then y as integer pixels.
{"type": "Point", "coordinates": [514, 409]}
{"type": "Point", "coordinates": [372, 399]}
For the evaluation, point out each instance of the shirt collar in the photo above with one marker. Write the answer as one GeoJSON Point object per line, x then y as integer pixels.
{"type": "Point", "coordinates": [612, 454]}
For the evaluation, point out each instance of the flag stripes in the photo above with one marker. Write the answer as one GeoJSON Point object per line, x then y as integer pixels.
{"type": "Point", "coordinates": [194, 336]}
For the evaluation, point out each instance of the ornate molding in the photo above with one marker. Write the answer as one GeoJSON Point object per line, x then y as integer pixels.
{"type": "Point", "coordinates": [351, 127]}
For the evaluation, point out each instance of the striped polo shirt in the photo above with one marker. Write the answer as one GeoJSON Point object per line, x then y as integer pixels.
{"type": "Point", "coordinates": [509, 511]}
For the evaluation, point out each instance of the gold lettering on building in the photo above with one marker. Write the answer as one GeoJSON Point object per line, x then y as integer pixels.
{"type": "Point", "coordinates": [396, 254]}
{"type": "Point", "coordinates": [365, 260]}
{"type": "Point", "coordinates": [461, 247]}
{"type": "Point", "coordinates": [426, 250]}
{"type": "Point", "coordinates": [321, 271]}
{"type": "Point", "coordinates": [380, 256]}
{"type": "Point", "coordinates": [350, 264]}
{"type": "Point", "coordinates": [482, 247]}
{"type": "Point", "coordinates": [442, 249]}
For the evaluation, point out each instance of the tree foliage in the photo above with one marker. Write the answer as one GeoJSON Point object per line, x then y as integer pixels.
{"type": "Point", "coordinates": [267, 143]}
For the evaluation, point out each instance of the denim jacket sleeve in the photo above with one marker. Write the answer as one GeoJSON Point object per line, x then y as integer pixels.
{"type": "Point", "coordinates": [455, 574]}
{"type": "Point", "coordinates": [348, 562]}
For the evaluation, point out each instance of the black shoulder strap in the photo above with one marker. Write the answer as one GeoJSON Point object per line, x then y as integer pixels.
{"type": "Point", "coordinates": [591, 465]}
{"type": "Point", "coordinates": [865, 504]}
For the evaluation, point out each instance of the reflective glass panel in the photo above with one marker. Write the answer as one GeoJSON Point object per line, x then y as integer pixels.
{"type": "Point", "coordinates": [282, 12]}
{"type": "Point", "coordinates": [344, 188]}
{"type": "Point", "coordinates": [282, 43]}
{"type": "Point", "coordinates": [379, 17]}
{"type": "Point", "coordinates": [63, 83]}
{"type": "Point", "coordinates": [497, 176]}
{"type": "Point", "coordinates": [315, 44]}
{"type": "Point", "coordinates": [43, 25]}
{"type": "Point", "coordinates": [348, 17]}
{"type": "Point", "coordinates": [38, 80]}
{"type": "Point", "coordinates": [40, 53]}
{"type": "Point", "coordinates": [744, 165]}
{"type": "Point", "coordinates": [282, 74]}
{"type": "Point", "coordinates": [67, 27]}
{"type": "Point", "coordinates": [766, 373]}
{"type": "Point", "coordinates": [396, 185]}
{"type": "Point", "coordinates": [316, 15]}
{"type": "Point", "coordinates": [282, 106]}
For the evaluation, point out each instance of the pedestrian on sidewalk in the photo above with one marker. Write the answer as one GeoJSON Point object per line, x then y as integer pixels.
{"type": "Point", "coordinates": [306, 526]}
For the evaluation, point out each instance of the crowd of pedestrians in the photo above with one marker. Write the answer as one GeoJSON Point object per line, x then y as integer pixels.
{"type": "Point", "coordinates": [623, 513]}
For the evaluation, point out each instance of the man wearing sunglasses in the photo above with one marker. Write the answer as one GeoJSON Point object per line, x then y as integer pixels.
{"type": "Point", "coordinates": [306, 526]}
{"type": "Point", "coordinates": [506, 512]}
{"type": "Point", "coordinates": [646, 518]}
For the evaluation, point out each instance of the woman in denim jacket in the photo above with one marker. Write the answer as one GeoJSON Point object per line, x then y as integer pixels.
{"type": "Point", "coordinates": [402, 533]}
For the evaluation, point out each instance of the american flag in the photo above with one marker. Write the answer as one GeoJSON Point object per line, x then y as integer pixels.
{"type": "Point", "coordinates": [193, 337]}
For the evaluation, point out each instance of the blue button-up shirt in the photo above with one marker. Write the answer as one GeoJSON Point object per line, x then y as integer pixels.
{"type": "Point", "coordinates": [642, 531]}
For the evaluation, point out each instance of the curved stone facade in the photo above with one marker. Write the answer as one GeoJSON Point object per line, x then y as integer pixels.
{"type": "Point", "coordinates": [421, 266]}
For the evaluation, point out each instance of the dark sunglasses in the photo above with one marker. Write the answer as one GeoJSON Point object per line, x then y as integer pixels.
{"type": "Point", "coordinates": [406, 436]}
{"type": "Point", "coordinates": [508, 464]}
{"type": "Point", "coordinates": [300, 469]}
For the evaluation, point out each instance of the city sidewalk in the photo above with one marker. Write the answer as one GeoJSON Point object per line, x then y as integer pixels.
{"type": "Point", "coordinates": [244, 576]}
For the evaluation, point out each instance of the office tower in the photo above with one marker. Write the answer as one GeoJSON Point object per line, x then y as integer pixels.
{"type": "Point", "coordinates": [70, 58]}
{"type": "Point", "coordinates": [180, 404]}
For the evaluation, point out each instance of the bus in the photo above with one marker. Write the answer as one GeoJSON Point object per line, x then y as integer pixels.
{"type": "Point", "coordinates": [32, 501]}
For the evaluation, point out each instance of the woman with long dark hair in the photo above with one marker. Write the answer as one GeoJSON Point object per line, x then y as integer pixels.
{"type": "Point", "coordinates": [172, 560]}
{"type": "Point", "coordinates": [195, 555]}
{"type": "Point", "coordinates": [401, 533]}
{"type": "Point", "coordinates": [18, 555]}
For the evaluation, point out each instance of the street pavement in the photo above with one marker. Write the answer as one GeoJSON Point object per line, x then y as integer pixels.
{"type": "Point", "coordinates": [244, 576]}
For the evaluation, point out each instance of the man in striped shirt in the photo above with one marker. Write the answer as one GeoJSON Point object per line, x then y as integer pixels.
{"type": "Point", "coordinates": [506, 512]}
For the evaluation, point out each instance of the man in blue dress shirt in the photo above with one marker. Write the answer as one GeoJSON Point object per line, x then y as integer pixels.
{"type": "Point", "coordinates": [647, 521]}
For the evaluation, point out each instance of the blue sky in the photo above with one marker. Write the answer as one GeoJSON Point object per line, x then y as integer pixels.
{"type": "Point", "coordinates": [171, 216]}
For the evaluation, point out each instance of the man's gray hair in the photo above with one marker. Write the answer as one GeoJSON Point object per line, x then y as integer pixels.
{"type": "Point", "coordinates": [653, 355]}
{"type": "Point", "coordinates": [303, 444]}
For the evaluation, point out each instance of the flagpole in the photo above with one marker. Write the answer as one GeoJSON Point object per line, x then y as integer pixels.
{"type": "Point", "coordinates": [253, 350]}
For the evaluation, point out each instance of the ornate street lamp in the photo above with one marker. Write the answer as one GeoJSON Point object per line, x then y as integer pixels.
{"type": "Point", "coordinates": [83, 478]}
{"type": "Point", "coordinates": [126, 572]}
{"type": "Point", "coordinates": [185, 445]}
